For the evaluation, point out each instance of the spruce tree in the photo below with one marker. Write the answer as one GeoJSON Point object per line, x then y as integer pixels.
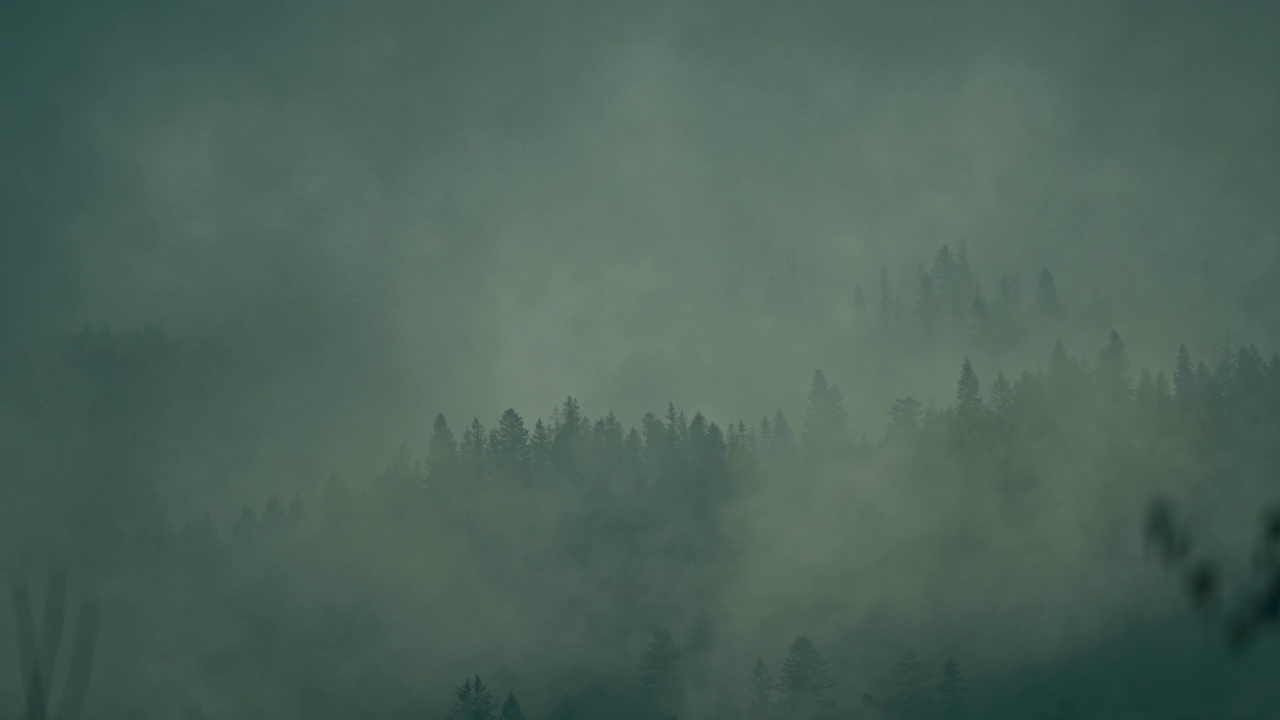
{"type": "Point", "coordinates": [968, 393]}
{"type": "Point", "coordinates": [904, 415]}
{"type": "Point", "coordinates": [927, 304]}
{"type": "Point", "coordinates": [760, 704]}
{"type": "Point", "coordinates": [982, 331]}
{"type": "Point", "coordinates": [472, 450]}
{"type": "Point", "coordinates": [509, 447]}
{"type": "Point", "coordinates": [826, 422]}
{"type": "Point", "coordinates": [1114, 381]}
{"type": "Point", "coordinates": [473, 701]}
{"type": "Point", "coordinates": [908, 685]}
{"type": "Point", "coordinates": [805, 682]}
{"type": "Point", "coordinates": [658, 668]}
{"type": "Point", "coordinates": [511, 709]}
{"type": "Point", "coordinates": [442, 452]}
{"type": "Point", "coordinates": [1047, 296]}
{"type": "Point", "coordinates": [953, 693]}
{"type": "Point", "coordinates": [886, 298]}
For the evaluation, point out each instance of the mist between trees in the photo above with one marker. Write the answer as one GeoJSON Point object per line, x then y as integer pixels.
{"type": "Point", "coordinates": [572, 566]}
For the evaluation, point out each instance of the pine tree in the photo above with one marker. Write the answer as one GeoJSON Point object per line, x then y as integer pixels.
{"type": "Point", "coordinates": [804, 682]}
{"type": "Point", "coordinates": [760, 705]}
{"type": "Point", "coordinates": [944, 278]}
{"type": "Point", "coordinates": [927, 304]}
{"type": "Point", "coordinates": [953, 693]}
{"type": "Point", "coordinates": [472, 450]}
{"type": "Point", "coordinates": [904, 415]}
{"type": "Point", "coordinates": [784, 440]}
{"type": "Point", "coordinates": [442, 452]}
{"type": "Point", "coordinates": [964, 284]}
{"type": "Point", "coordinates": [698, 646]}
{"type": "Point", "coordinates": [566, 709]}
{"type": "Point", "coordinates": [886, 298]}
{"type": "Point", "coordinates": [511, 709]}
{"type": "Point", "coordinates": [859, 300]}
{"type": "Point", "coordinates": [473, 701]}
{"type": "Point", "coordinates": [509, 447]}
{"type": "Point", "coordinates": [567, 444]}
{"type": "Point", "coordinates": [826, 423]}
{"type": "Point", "coordinates": [273, 517]}
{"type": "Point", "coordinates": [245, 531]}
{"type": "Point", "coordinates": [1047, 296]}
{"type": "Point", "coordinates": [968, 393]}
{"type": "Point", "coordinates": [1184, 379]}
{"type": "Point", "coordinates": [908, 682]}
{"type": "Point", "coordinates": [1114, 381]}
{"type": "Point", "coordinates": [658, 667]}
{"type": "Point", "coordinates": [540, 452]}
{"type": "Point", "coordinates": [982, 331]}
{"type": "Point", "coordinates": [1002, 397]}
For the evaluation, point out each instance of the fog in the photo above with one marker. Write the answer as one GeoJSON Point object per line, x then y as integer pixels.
{"type": "Point", "coordinates": [253, 251]}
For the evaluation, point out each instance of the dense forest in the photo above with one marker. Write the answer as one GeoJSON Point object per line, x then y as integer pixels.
{"type": "Point", "coordinates": [578, 567]}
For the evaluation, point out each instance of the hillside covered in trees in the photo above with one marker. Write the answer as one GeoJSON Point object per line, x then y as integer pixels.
{"type": "Point", "coordinates": [639, 360]}
{"type": "Point", "coordinates": [573, 566]}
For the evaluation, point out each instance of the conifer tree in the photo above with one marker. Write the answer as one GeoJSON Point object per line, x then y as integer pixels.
{"type": "Point", "coordinates": [927, 304]}
{"type": "Point", "coordinates": [981, 328]}
{"type": "Point", "coordinates": [472, 450]}
{"type": "Point", "coordinates": [511, 709]}
{"type": "Point", "coordinates": [1114, 381]}
{"type": "Point", "coordinates": [805, 682]}
{"type": "Point", "coordinates": [658, 668]}
{"type": "Point", "coordinates": [886, 298]}
{"type": "Point", "coordinates": [473, 701]}
{"type": "Point", "coordinates": [442, 452]}
{"type": "Point", "coordinates": [760, 704]}
{"type": "Point", "coordinates": [953, 693]}
{"type": "Point", "coordinates": [968, 393]}
{"type": "Point", "coordinates": [245, 531]}
{"type": "Point", "coordinates": [904, 415]}
{"type": "Point", "coordinates": [826, 423]}
{"type": "Point", "coordinates": [908, 682]}
{"type": "Point", "coordinates": [509, 447]}
{"type": "Point", "coordinates": [1047, 296]}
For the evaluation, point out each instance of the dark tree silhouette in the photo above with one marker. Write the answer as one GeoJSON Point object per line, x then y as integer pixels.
{"type": "Point", "coordinates": [953, 693]}
{"type": "Point", "coordinates": [805, 682]}
{"type": "Point", "coordinates": [511, 709]}
{"type": "Point", "coordinates": [760, 701]}
{"type": "Point", "coordinates": [473, 701]}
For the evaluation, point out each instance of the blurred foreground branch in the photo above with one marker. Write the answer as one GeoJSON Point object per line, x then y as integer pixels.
{"type": "Point", "coordinates": [38, 655]}
{"type": "Point", "coordinates": [1166, 536]}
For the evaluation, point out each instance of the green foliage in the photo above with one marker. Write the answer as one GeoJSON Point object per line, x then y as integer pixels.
{"type": "Point", "coordinates": [953, 693]}
{"type": "Point", "coordinates": [761, 704]}
{"type": "Point", "coordinates": [473, 701]}
{"type": "Point", "coordinates": [511, 709]}
{"type": "Point", "coordinates": [805, 682]}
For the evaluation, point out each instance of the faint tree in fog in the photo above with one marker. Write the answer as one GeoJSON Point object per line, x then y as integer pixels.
{"type": "Point", "coordinates": [658, 668]}
{"type": "Point", "coordinates": [805, 682]}
{"type": "Point", "coordinates": [909, 683]}
{"type": "Point", "coordinates": [1047, 296]}
{"type": "Point", "coordinates": [760, 702]}
{"type": "Point", "coordinates": [953, 693]}
{"type": "Point", "coordinates": [511, 709]}
{"type": "Point", "coordinates": [473, 701]}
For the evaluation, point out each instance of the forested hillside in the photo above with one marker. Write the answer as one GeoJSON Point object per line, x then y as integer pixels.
{"type": "Point", "coordinates": [679, 564]}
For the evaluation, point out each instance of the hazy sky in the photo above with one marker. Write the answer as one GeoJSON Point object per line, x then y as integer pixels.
{"type": "Point", "coordinates": [391, 208]}
{"type": "Point", "coordinates": [404, 207]}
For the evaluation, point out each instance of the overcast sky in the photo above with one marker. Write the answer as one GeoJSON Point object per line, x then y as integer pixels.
{"type": "Point", "coordinates": [407, 207]}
